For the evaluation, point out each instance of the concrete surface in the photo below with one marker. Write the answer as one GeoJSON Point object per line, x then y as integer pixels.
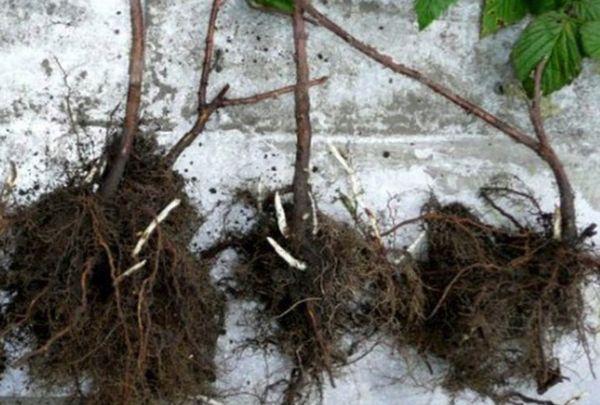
{"type": "Point", "coordinates": [60, 56]}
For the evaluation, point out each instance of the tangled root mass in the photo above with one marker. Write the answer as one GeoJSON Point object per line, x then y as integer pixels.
{"type": "Point", "coordinates": [317, 317]}
{"type": "Point", "coordinates": [120, 337]}
{"type": "Point", "coordinates": [493, 301]}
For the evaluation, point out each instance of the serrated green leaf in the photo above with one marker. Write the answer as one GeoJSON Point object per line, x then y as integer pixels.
{"type": "Point", "coordinates": [587, 10]}
{"type": "Point", "coordinates": [552, 36]}
{"type": "Point", "coordinates": [543, 6]}
{"type": "Point", "coordinates": [428, 10]}
{"type": "Point", "coordinates": [590, 37]}
{"type": "Point", "coordinates": [501, 13]}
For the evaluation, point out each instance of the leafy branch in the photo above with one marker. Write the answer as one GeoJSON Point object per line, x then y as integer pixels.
{"type": "Point", "coordinates": [562, 31]}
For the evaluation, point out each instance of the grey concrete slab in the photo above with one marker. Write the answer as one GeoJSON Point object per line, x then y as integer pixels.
{"type": "Point", "coordinates": [61, 55]}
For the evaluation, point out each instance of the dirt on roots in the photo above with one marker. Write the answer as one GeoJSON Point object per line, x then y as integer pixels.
{"type": "Point", "coordinates": [82, 319]}
{"type": "Point", "coordinates": [492, 301]}
{"type": "Point", "coordinates": [319, 316]}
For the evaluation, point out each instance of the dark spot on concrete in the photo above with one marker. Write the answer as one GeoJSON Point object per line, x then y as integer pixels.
{"type": "Point", "coordinates": [47, 68]}
{"type": "Point", "coordinates": [117, 32]}
{"type": "Point", "coordinates": [315, 169]}
{"type": "Point", "coordinates": [499, 88]}
{"type": "Point", "coordinates": [273, 168]}
{"type": "Point", "coordinates": [212, 190]}
{"type": "Point", "coordinates": [386, 154]}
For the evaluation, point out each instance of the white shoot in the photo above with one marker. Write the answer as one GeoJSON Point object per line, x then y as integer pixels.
{"type": "Point", "coordinates": [357, 190]}
{"type": "Point", "coordinates": [10, 182]}
{"type": "Point", "coordinates": [90, 176]}
{"type": "Point", "coordinates": [207, 400]}
{"type": "Point", "coordinates": [131, 270]}
{"type": "Point", "coordinates": [155, 222]}
{"type": "Point", "coordinates": [260, 190]}
{"type": "Point", "coordinates": [280, 214]}
{"type": "Point", "coordinates": [556, 224]}
{"type": "Point", "coordinates": [313, 205]}
{"type": "Point", "coordinates": [285, 255]}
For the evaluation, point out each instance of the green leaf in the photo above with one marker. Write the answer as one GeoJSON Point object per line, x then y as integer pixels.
{"type": "Point", "coordinates": [281, 6]}
{"type": "Point", "coordinates": [587, 10]}
{"type": "Point", "coordinates": [429, 10]}
{"type": "Point", "coordinates": [543, 6]}
{"type": "Point", "coordinates": [590, 37]}
{"type": "Point", "coordinates": [501, 13]}
{"type": "Point", "coordinates": [553, 36]}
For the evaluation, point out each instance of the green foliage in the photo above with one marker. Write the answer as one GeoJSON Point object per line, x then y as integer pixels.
{"type": "Point", "coordinates": [562, 31]}
{"type": "Point", "coordinates": [590, 37]}
{"type": "Point", "coordinates": [429, 10]}
{"type": "Point", "coordinates": [586, 10]}
{"type": "Point", "coordinates": [498, 14]}
{"type": "Point", "coordinates": [552, 36]}
{"type": "Point", "coordinates": [280, 6]}
{"type": "Point", "coordinates": [543, 6]}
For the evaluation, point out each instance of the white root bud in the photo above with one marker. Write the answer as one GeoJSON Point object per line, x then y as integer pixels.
{"type": "Point", "coordinates": [10, 183]}
{"type": "Point", "coordinates": [155, 222]}
{"type": "Point", "coordinates": [313, 205]}
{"type": "Point", "coordinates": [260, 190]}
{"type": "Point", "coordinates": [285, 255]}
{"type": "Point", "coordinates": [280, 214]}
{"type": "Point", "coordinates": [357, 191]}
{"type": "Point", "coordinates": [556, 224]}
{"type": "Point", "coordinates": [207, 400]}
{"type": "Point", "coordinates": [130, 271]}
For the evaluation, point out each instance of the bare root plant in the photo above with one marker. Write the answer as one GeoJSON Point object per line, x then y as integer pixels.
{"type": "Point", "coordinates": [318, 285]}
{"type": "Point", "coordinates": [491, 300]}
{"type": "Point", "coordinates": [105, 296]}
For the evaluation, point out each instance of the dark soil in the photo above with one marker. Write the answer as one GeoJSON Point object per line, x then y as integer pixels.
{"type": "Point", "coordinates": [494, 301]}
{"type": "Point", "coordinates": [317, 317]}
{"type": "Point", "coordinates": [127, 339]}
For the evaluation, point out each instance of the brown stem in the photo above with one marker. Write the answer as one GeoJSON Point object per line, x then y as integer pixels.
{"type": "Point", "coordinates": [302, 212]}
{"type": "Point", "coordinates": [132, 111]}
{"type": "Point", "coordinates": [206, 110]}
{"type": "Point", "coordinates": [219, 102]}
{"type": "Point", "coordinates": [540, 146]}
{"type": "Point", "coordinates": [208, 51]}
{"type": "Point", "coordinates": [204, 114]}
{"type": "Point", "coordinates": [568, 217]}
{"type": "Point", "coordinates": [227, 102]}
{"type": "Point", "coordinates": [388, 62]}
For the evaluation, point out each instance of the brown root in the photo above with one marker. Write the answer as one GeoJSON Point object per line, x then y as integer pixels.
{"type": "Point", "coordinates": [119, 336]}
{"type": "Point", "coordinates": [496, 300]}
{"type": "Point", "coordinates": [319, 316]}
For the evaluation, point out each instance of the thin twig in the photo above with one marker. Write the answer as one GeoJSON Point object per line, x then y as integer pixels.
{"type": "Point", "coordinates": [208, 51]}
{"type": "Point", "coordinates": [207, 109]}
{"type": "Point", "coordinates": [269, 94]}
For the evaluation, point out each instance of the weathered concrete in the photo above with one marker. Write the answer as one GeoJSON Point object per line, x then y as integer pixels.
{"type": "Point", "coordinates": [403, 139]}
